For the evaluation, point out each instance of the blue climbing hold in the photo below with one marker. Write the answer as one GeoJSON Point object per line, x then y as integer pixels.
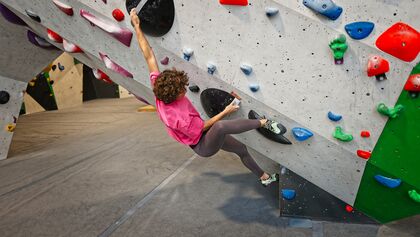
{"type": "Point", "coordinates": [288, 194]}
{"type": "Point", "coordinates": [388, 182]}
{"type": "Point", "coordinates": [271, 11]}
{"type": "Point", "coordinates": [254, 87]}
{"type": "Point", "coordinates": [246, 68]}
{"type": "Point", "coordinates": [334, 117]}
{"type": "Point", "coordinates": [211, 68]}
{"type": "Point", "coordinates": [301, 134]}
{"type": "Point", "coordinates": [188, 52]}
{"type": "Point", "coordinates": [324, 7]}
{"type": "Point", "coordinates": [359, 30]}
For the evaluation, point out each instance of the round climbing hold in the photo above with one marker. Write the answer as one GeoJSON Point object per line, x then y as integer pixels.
{"type": "Point", "coordinates": [118, 14]}
{"type": "Point", "coordinates": [301, 134]}
{"type": "Point", "coordinates": [334, 117]}
{"type": "Point", "coordinates": [377, 66]}
{"type": "Point", "coordinates": [288, 194]}
{"type": "Point", "coordinates": [254, 87]}
{"type": "Point", "coordinates": [413, 85]}
{"type": "Point", "coordinates": [188, 52]}
{"type": "Point", "coordinates": [246, 68]}
{"type": "Point", "coordinates": [164, 61]}
{"type": "Point", "coordinates": [414, 195]}
{"type": "Point", "coordinates": [359, 30]}
{"type": "Point", "coordinates": [365, 133]}
{"type": "Point", "coordinates": [33, 15]}
{"type": "Point", "coordinates": [4, 97]}
{"type": "Point", "coordinates": [391, 112]}
{"type": "Point", "coordinates": [341, 135]}
{"type": "Point", "coordinates": [349, 208]}
{"type": "Point", "coordinates": [387, 182]}
{"type": "Point", "coordinates": [363, 154]}
{"type": "Point", "coordinates": [54, 36]}
{"type": "Point", "coordinates": [194, 88]}
{"type": "Point", "coordinates": [271, 11]}
{"type": "Point", "coordinates": [211, 68]}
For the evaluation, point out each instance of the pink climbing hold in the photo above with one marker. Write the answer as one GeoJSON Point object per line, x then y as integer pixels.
{"type": "Point", "coordinates": [64, 7]}
{"type": "Point", "coordinates": [123, 35]}
{"type": "Point", "coordinates": [100, 75]}
{"type": "Point", "coordinates": [71, 48]}
{"type": "Point", "coordinates": [54, 36]}
{"type": "Point", "coordinates": [114, 67]}
{"type": "Point", "coordinates": [164, 61]}
{"type": "Point", "coordinates": [118, 14]}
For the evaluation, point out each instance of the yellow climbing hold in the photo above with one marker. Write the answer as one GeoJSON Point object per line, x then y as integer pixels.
{"type": "Point", "coordinates": [10, 127]}
{"type": "Point", "coordinates": [147, 108]}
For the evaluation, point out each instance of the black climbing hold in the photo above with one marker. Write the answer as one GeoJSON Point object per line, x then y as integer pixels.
{"type": "Point", "coordinates": [277, 137]}
{"type": "Point", "coordinates": [215, 101]}
{"type": "Point", "coordinates": [61, 67]}
{"type": "Point", "coordinates": [4, 97]}
{"type": "Point", "coordinates": [33, 15]}
{"type": "Point", "coordinates": [194, 88]}
{"type": "Point", "coordinates": [54, 67]}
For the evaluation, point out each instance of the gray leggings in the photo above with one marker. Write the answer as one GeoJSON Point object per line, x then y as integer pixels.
{"type": "Point", "coordinates": [217, 137]}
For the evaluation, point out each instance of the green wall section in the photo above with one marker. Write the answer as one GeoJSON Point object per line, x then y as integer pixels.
{"type": "Point", "coordinates": [396, 155]}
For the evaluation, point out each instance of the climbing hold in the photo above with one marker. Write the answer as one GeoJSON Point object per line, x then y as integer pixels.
{"type": "Point", "coordinates": [188, 52]}
{"type": "Point", "coordinates": [61, 67]}
{"type": "Point", "coordinates": [11, 16]}
{"type": "Point", "coordinates": [211, 68]}
{"type": "Point", "coordinates": [123, 35]}
{"type": "Point", "coordinates": [388, 182]}
{"type": "Point", "coordinates": [33, 15]}
{"type": "Point", "coordinates": [54, 67]}
{"type": "Point", "coordinates": [254, 87]}
{"type": "Point", "coordinates": [271, 11]}
{"type": "Point", "coordinates": [377, 66]}
{"type": "Point", "coordinates": [118, 14]}
{"type": "Point", "coordinates": [4, 97]}
{"type": "Point", "coordinates": [359, 30]}
{"type": "Point", "coordinates": [67, 9]}
{"type": "Point", "coordinates": [164, 61]}
{"type": "Point", "coordinates": [301, 134]}
{"type": "Point", "coordinates": [288, 194]}
{"type": "Point", "coordinates": [413, 85]}
{"type": "Point", "coordinates": [363, 154]}
{"type": "Point", "coordinates": [246, 68]}
{"type": "Point", "coordinates": [146, 108]}
{"type": "Point", "coordinates": [234, 94]}
{"type": "Point", "coordinates": [114, 67]}
{"type": "Point", "coordinates": [100, 75]}
{"type": "Point", "coordinates": [71, 48]}
{"type": "Point", "coordinates": [10, 127]}
{"type": "Point", "coordinates": [283, 170]}
{"type": "Point", "coordinates": [365, 133]}
{"type": "Point", "coordinates": [349, 208]}
{"type": "Point", "coordinates": [234, 2]}
{"type": "Point", "coordinates": [401, 41]}
{"type": "Point", "coordinates": [324, 7]}
{"type": "Point", "coordinates": [414, 195]}
{"type": "Point", "coordinates": [54, 36]}
{"type": "Point", "coordinates": [334, 117]}
{"type": "Point", "coordinates": [391, 112]}
{"type": "Point", "coordinates": [341, 135]}
{"type": "Point", "coordinates": [39, 41]}
{"type": "Point", "coordinates": [14, 119]}
{"type": "Point", "coordinates": [194, 88]}
{"type": "Point", "coordinates": [339, 47]}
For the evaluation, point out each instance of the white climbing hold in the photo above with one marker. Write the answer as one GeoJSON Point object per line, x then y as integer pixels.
{"type": "Point", "coordinates": [211, 68]}
{"type": "Point", "coordinates": [271, 11]}
{"type": "Point", "coordinates": [246, 68]}
{"type": "Point", "coordinates": [188, 52]}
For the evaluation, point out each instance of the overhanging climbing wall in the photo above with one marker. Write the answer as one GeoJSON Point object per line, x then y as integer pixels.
{"type": "Point", "coordinates": [292, 65]}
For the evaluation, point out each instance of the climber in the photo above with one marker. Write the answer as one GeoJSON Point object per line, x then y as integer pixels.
{"type": "Point", "coordinates": [184, 123]}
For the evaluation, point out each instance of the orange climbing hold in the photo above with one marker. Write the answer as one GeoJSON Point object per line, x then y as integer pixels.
{"type": "Point", "coordinates": [234, 2]}
{"type": "Point", "coordinates": [365, 133]}
{"type": "Point", "coordinates": [363, 154]}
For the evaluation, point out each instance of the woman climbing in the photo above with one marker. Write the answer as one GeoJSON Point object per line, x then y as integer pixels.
{"type": "Point", "coordinates": [184, 123]}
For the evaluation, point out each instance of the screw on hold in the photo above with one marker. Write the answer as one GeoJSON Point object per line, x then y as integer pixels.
{"type": "Point", "coordinates": [61, 67]}
{"type": "Point", "coordinates": [334, 117]}
{"type": "Point", "coordinates": [246, 68]}
{"type": "Point", "coordinates": [288, 194]}
{"type": "Point", "coordinates": [391, 112]}
{"type": "Point", "coordinates": [194, 88]}
{"type": "Point", "coordinates": [211, 68]}
{"type": "Point", "coordinates": [271, 11]}
{"type": "Point", "coordinates": [387, 182]}
{"type": "Point", "coordinates": [118, 14]}
{"type": "Point", "coordinates": [254, 87]}
{"type": "Point", "coordinates": [188, 52]}
{"type": "Point", "coordinates": [339, 47]}
{"type": "Point", "coordinates": [349, 208]}
{"type": "Point", "coordinates": [164, 61]}
{"type": "Point", "coordinates": [341, 135]}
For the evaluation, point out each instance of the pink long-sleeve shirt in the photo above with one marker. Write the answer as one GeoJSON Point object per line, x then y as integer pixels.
{"type": "Point", "coordinates": [182, 120]}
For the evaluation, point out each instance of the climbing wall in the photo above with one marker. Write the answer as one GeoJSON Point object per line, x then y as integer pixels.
{"type": "Point", "coordinates": [293, 67]}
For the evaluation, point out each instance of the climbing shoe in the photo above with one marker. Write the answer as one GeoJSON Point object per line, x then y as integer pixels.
{"type": "Point", "coordinates": [272, 178]}
{"type": "Point", "coordinates": [271, 130]}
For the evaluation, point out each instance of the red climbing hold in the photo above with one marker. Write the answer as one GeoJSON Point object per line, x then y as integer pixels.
{"type": "Point", "coordinates": [413, 83]}
{"type": "Point", "coordinates": [401, 41]}
{"type": "Point", "coordinates": [234, 2]}
{"type": "Point", "coordinates": [100, 75]}
{"type": "Point", "coordinates": [64, 7]}
{"type": "Point", "coordinates": [349, 208]}
{"type": "Point", "coordinates": [363, 154]}
{"type": "Point", "coordinates": [54, 36]}
{"type": "Point", "coordinates": [377, 66]}
{"type": "Point", "coordinates": [118, 14]}
{"type": "Point", "coordinates": [365, 133]}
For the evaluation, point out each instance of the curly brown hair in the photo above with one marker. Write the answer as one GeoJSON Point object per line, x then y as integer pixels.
{"type": "Point", "coordinates": [169, 85]}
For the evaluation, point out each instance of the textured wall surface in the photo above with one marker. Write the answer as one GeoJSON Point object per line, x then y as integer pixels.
{"type": "Point", "coordinates": [292, 64]}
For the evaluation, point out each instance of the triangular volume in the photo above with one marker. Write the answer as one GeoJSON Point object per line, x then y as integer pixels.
{"type": "Point", "coordinates": [401, 41]}
{"type": "Point", "coordinates": [234, 2]}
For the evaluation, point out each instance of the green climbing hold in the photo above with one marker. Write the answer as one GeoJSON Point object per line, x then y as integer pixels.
{"type": "Point", "coordinates": [414, 195]}
{"type": "Point", "coordinates": [339, 47]}
{"type": "Point", "coordinates": [341, 135]}
{"type": "Point", "coordinates": [391, 112]}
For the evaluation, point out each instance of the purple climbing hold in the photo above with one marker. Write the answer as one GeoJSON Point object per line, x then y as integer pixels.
{"type": "Point", "coordinates": [164, 61]}
{"type": "Point", "coordinates": [39, 41]}
{"type": "Point", "coordinates": [11, 16]}
{"type": "Point", "coordinates": [114, 67]}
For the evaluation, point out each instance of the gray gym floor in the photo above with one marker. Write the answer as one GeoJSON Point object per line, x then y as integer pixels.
{"type": "Point", "coordinates": [104, 169]}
